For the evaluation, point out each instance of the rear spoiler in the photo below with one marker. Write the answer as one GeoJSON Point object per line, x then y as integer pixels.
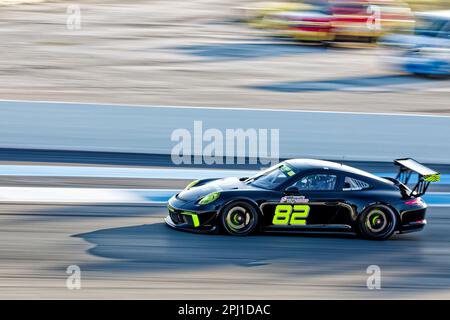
{"type": "Point", "coordinates": [425, 175]}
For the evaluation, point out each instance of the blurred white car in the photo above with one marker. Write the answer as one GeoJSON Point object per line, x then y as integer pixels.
{"type": "Point", "coordinates": [427, 50]}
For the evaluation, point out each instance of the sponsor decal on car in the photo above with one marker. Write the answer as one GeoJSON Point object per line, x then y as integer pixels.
{"type": "Point", "coordinates": [294, 199]}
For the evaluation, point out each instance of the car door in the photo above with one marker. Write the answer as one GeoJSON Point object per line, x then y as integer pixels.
{"type": "Point", "coordinates": [320, 189]}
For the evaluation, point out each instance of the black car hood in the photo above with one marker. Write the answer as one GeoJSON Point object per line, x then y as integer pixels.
{"type": "Point", "coordinates": [197, 192]}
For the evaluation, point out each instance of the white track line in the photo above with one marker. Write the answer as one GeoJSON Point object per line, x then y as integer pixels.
{"type": "Point", "coordinates": [83, 195]}
{"type": "Point", "coordinates": [226, 108]}
{"type": "Point", "coordinates": [70, 195]}
{"type": "Point", "coordinates": [119, 172]}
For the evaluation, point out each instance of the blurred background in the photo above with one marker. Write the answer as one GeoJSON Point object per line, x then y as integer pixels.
{"type": "Point", "coordinates": [313, 55]}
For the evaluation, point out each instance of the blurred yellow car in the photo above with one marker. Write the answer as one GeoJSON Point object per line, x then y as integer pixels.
{"type": "Point", "coordinates": [335, 20]}
{"type": "Point", "coordinates": [257, 13]}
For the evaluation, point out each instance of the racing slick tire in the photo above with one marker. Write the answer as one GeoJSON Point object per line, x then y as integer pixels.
{"type": "Point", "coordinates": [239, 218]}
{"type": "Point", "coordinates": [377, 222]}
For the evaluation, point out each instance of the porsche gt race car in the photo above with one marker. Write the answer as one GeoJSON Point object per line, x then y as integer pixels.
{"type": "Point", "coordinates": [303, 195]}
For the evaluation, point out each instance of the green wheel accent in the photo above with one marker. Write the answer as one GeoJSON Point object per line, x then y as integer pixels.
{"type": "Point", "coordinates": [374, 219]}
{"type": "Point", "coordinates": [377, 222]}
{"type": "Point", "coordinates": [194, 217]}
{"type": "Point", "coordinates": [239, 218]}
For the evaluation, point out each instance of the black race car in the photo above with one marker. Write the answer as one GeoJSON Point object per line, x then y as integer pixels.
{"type": "Point", "coordinates": [303, 195]}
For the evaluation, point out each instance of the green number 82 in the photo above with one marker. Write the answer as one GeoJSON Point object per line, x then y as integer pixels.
{"type": "Point", "coordinates": [290, 214]}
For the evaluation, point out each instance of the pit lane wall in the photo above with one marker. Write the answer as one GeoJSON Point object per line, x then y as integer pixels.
{"type": "Point", "coordinates": [148, 129]}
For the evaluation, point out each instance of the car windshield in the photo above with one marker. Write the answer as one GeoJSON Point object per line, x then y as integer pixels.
{"type": "Point", "coordinates": [272, 177]}
{"type": "Point", "coordinates": [432, 27]}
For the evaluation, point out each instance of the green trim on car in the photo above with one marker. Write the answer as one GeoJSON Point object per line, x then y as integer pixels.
{"type": "Point", "coordinates": [194, 217]}
{"type": "Point", "coordinates": [192, 184]}
{"type": "Point", "coordinates": [432, 178]}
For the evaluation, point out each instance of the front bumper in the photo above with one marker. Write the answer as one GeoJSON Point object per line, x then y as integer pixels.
{"type": "Point", "coordinates": [187, 217]}
{"type": "Point", "coordinates": [188, 228]}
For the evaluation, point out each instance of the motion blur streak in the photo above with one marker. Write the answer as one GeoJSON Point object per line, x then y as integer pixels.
{"type": "Point", "coordinates": [195, 53]}
{"type": "Point", "coordinates": [127, 252]}
{"type": "Point", "coordinates": [126, 55]}
{"type": "Point", "coordinates": [124, 196]}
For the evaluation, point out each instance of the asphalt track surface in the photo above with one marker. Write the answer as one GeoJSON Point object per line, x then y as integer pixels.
{"type": "Point", "coordinates": [195, 53]}
{"type": "Point", "coordinates": [126, 251]}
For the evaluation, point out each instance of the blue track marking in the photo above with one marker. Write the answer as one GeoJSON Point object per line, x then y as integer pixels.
{"type": "Point", "coordinates": [437, 198]}
{"type": "Point", "coordinates": [156, 196]}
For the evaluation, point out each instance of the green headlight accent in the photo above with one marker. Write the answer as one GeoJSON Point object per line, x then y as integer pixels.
{"type": "Point", "coordinates": [192, 184]}
{"type": "Point", "coordinates": [209, 198]}
{"type": "Point", "coordinates": [194, 217]}
{"type": "Point", "coordinates": [432, 178]}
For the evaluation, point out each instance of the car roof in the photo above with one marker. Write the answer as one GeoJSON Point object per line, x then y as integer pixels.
{"type": "Point", "coordinates": [309, 164]}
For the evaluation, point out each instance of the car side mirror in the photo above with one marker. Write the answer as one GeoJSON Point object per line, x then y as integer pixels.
{"type": "Point", "coordinates": [291, 190]}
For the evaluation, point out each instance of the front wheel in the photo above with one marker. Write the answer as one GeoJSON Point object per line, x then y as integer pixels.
{"type": "Point", "coordinates": [377, 222]}
{"type": "Point", "coordinates": [239, 218]}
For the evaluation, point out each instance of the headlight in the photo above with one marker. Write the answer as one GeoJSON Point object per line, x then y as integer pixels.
{"type": "Point", "coordinates": [192, 184]}
{"type": "Point", "coordinates": [209, 198]}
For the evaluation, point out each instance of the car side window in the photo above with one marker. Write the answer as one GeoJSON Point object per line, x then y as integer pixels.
{"type": "Point", "coordinates": [317, 182]}
{"type": "Point", "coordinates": [351, 184]}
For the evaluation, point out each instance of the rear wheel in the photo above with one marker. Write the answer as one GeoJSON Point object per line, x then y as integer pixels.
{"type": "Point", "coordinates": [239, 218]}
{"type": "Point", "coordinates": [377, 222]}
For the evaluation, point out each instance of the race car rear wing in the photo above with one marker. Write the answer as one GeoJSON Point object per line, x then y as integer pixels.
{"type": "Point", "coordinates": [425, 175]}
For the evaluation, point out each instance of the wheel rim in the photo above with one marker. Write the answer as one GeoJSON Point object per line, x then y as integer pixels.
{"type": "Point", "coordinates": [376, 221]}
{"type": "Point", "coordinates": [239, 219]}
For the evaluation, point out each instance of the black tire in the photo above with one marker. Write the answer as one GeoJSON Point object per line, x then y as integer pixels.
{"type": "Point", "coordinates": [377, 222]}
{"type": "Point", "coordinates": [239, 218]}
